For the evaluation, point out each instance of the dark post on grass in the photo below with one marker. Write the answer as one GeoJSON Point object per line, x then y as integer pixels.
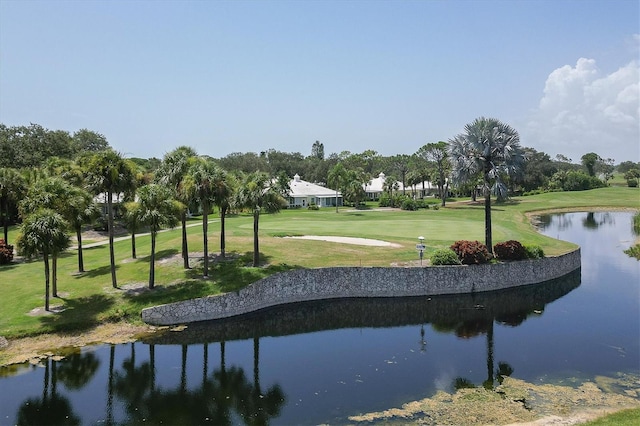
{"type": "Point", "coordinates": [420, 247]}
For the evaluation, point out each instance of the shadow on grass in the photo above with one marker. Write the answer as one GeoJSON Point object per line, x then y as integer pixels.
{"type": "Point", "coordinates": [96, 272]}
{"type": "Point", "coordinates": [159, 255]}
{"type": "Point", "coordinates": [79, 314]}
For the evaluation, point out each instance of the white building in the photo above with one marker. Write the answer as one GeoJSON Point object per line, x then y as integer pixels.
{"type": "Point", "coordinates": [304, 194]}
{"type": "Point", "coordinates": [376, 186]}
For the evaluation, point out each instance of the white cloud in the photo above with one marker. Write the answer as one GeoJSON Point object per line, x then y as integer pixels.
{"type": "Point", "coordinates": [584, 111]}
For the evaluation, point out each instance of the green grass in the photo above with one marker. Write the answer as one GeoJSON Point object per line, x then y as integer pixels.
{"type": "Point", "coordinates": [630, 417]}
{"type": "Point", "coordinates": [89, 298]}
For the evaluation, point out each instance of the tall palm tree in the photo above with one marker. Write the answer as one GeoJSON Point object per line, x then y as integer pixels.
{"type": "Point", "coordinates": [225, 187]}
{"type": "Point", "coordinates": [43, 233]}
{"type": "Point", "coordinates": [158, 210]}
{"type": "Point", "coordinates": [492, 148]}
{"type": "Point", "coordinates": [108, 172]}
{"type": "Point", "coordinates": [201, 182]}
{"type": "Point", "coordinates": [337, 178]}
{"type": "Point", "coordinates": [12, 185]}
{"type": "Point", "coordinates": [438, 154]}
{"type": "Point", "coordinates": [256, 194]}
{"type": "Point", "coordinates": [131, 218]}
{"type": "Point", "coordinates": [171, 173]}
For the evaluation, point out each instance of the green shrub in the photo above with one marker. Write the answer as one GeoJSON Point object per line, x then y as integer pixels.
{"type": "Point", "coordinates": [631, 183]}
{"type": "Point", "coordinates": [471, 252]}
{"type": "Point", "coordinates": [533, 251]}
{"type": "Point", "coordinates": [436, 206]}
{"type": "Point", "coordinates": [6, 252]}
{"type": "Point", "coordinates": [313, 206]}
{"type": "Point", "coordinates": [409, 204]}
{"type": "Point", "coordinates": [385, 200]}
{"type": "Point", "coordinates": [509, 250]}
{"type": "Point", "coordinates": [445, 257]}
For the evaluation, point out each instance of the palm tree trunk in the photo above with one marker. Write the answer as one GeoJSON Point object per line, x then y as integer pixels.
{"type": "Point", "coordinates": [46, 280]}
{"type": "Point", "coordinates": [5, 203]}
{"type": "Point", "coordinates": [133, 245]}
{"type": "Point", "coordinates": [80, 258]}
{"type": "Point", "coordinates": [54, 275]}
{"type": "Point", "coordinates": [223, 212]}
{"type": "Point", "coordinates": [112, 256]}
{"type": "Point", "coordinates": [185, 248]}
{"type": "Point", "coordinates": [205, 226]}
{"type": "Point", "coordinates": [256, 249]}
{"type": "Point", "coordinates": [487, 215]}
{"type": "Point", "coordinates": [152, 260]}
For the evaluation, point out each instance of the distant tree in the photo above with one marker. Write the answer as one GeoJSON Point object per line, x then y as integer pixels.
{"type": "Point", "coordinates": [317, 150]}
{"type": "Point", "coordinates": [401, 164]}
{"type": "Point", "coordinates": [353, 190]}
{"type": "Point", "coordinates": [284, 162]}
{"type": "Point", "coordinates": [43, 233]}
{"type": "Point", "coordinates": [492, 148]}
{"type": "Point", "coordinates": [633, 175]}
{"type": "Point", "coordinates": [30, 146]}
{"type": "Point", "coordinates": [244, 162]}
{"type": "Point", "coordinates": [437, 153]}
{"type": "Point", "coordinates": [256, 193]}
{"type": "Point", "coordinates": [158, 210]}
{"type": "Point", "coordinates": [537, 170]}
{"type": "Point", "coordinates": [625, 166]}
{"type": "Point", "coordinates": [12, 185]}
{"type": "Point", "coordinates": [85, 140]}
{"type": "Point", "coordinates": [109, 173]}
{"type": "Point", "coordinates": [589, 161]}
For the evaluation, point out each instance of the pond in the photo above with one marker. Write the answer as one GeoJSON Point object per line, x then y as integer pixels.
{"type": "Point", "coordinates": [322, 362]}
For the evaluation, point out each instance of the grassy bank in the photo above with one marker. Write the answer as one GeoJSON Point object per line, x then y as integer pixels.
{"type": "Point", "coordinates": [88, 299]}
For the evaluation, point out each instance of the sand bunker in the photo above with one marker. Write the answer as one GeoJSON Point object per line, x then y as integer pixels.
{"type": "Point", "coordinates": [348, 240]}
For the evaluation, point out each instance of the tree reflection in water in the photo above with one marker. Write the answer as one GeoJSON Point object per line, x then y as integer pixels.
{"type": "Point", "coordinates": [227, 395]}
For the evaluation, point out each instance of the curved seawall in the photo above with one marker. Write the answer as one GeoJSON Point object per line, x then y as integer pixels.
{"type": "Point", "coordinates": [347, 282]}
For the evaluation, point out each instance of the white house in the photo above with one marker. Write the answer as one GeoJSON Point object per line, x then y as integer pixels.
{"type": "Point", "coordinates": [304, 194]}
{"type": "Point", "coordinates": [376, 186]}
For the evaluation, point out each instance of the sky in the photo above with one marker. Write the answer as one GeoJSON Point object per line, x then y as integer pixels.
{"type": "Point", "coordinates": [389, 76]}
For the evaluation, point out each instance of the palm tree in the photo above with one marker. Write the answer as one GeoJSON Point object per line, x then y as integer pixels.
{"type": "Point", "coordinates": [201, 182]}
{"type": "Point", "coordinates": [108, 172]}
{"type": "Point", "coordinates": [492, 148]}
{"type": "Point", "coordinates": [337, 178]}
{"type": "Point", "coordinates": [158, 210]}
{"type": "Point", "coordinates": [225, 187]}
{"type": "Point", "coordinates": [256, 194]}
{"type": "Point", "coordinates": [132, 222]}
{"type": "Point", "coordinates": [43, 232]}
{"type": "Point", "coordinates": [12, 185]}
{"type": "Point", "coordinates": [171, 173]}
{"type": "Point", "coordinates": [437, 154]}
{"type": "Point", "coordinates": [74, 204]}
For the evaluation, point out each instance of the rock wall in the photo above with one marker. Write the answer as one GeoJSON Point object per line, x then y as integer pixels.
{"type": "Point", "coordinates": [348, 282]}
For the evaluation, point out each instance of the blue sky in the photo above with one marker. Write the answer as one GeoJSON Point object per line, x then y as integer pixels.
{"type": "Point", "coordinates": [391, 76]}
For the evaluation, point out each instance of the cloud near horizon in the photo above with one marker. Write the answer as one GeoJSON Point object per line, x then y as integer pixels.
{"type": "Point", "coordinates": [584, 111]}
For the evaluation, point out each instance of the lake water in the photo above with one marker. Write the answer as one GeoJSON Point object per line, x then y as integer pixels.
{"type": "Point", "coordinates": [322, 362]}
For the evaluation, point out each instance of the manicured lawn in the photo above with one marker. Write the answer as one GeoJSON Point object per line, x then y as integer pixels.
{"type": "Point", "coordinates": [89, 299]}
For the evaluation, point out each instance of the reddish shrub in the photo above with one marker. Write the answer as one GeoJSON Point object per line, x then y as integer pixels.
{"type": "Point", "coordinates": [471, 252]}
{"type": "Point", "coordinates": [6, 252]}
{"type": "Point", "coordinates": [510, 250]}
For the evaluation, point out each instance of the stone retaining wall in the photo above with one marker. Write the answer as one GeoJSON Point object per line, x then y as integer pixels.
{"type": "Point", "coordinates": [347, 282]}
